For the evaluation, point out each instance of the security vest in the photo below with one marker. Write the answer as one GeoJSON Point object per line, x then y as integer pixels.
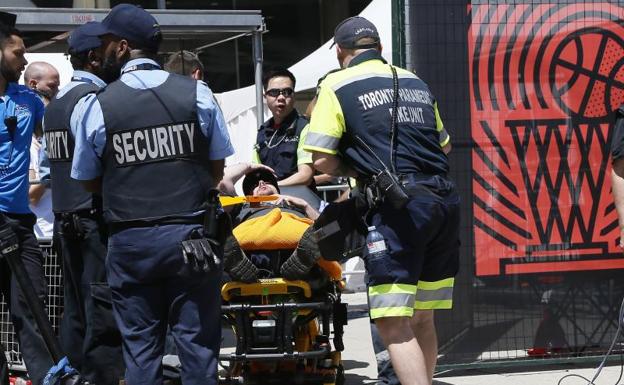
{"type": "Point", "coordinates": [365, 93]}
{"type": "Point", "coordinates": [155, 162]}
{"type": "Point", "coordinates": [69, 195]}
{"type": "Point", "coordinates": [279, 149]}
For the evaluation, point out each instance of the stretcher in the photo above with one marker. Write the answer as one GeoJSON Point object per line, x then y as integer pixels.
{"type": "Point", "coordinates": [286, 332]}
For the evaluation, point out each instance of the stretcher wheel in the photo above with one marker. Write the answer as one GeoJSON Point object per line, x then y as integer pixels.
{"type": "Point", "coordinates": [340, 376]}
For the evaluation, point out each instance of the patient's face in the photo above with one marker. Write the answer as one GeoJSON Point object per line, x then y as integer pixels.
{"type": "Point", "coordinates": [264, 188]}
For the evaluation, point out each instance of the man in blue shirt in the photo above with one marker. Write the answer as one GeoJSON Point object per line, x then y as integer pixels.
{"type": "Point", "coordinates": [21, 111]}
{"type": "Point", "coordinates": [88, 332]}
{"type": "Point", "coordinates": [155, 142]}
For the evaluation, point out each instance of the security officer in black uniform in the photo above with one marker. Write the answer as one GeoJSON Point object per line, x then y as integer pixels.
{"type": "Point", "coordinates": [89, 335]}
{"type": "Point", "coordinates": [380, 124]}
{"type": "Point", "coordinates": [280, 139]}
{"type": "Point", "coordinates": [155, 144]}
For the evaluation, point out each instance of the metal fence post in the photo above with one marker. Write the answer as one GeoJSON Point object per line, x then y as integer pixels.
{"type": "Point", "coordinates": [258, 59]}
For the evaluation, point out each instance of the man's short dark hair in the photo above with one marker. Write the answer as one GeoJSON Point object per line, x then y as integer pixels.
{"type": "Point", "coordinates": [6, 32]}
{"type": "Point", "coordinates": [146, 51]}
{"type": "Point", "coordinates": [252, 179]}
{"type": "Point", "coordinates": [183, 63]}
{"type": "Point", "coordinates": [275, 73]}
{"type": "Point", "coordinates": [78, 60]}
{"type": "Point", "coordinates": [366, 42]}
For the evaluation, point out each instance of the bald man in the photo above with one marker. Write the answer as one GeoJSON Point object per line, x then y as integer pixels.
{"type": "Point", "coordinates": [43, 78]}
{"type": "Point", "coordinates": [185, 63]}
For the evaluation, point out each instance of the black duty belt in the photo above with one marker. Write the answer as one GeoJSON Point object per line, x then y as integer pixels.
{"type": "Point", "coordinates": [405, 179]}
{"type": "Point", "coordinates": [417, 177]}
{"type": "Point", "coordinates": [116, 227]}
{"type": "Point", "coordinates": [85, 213]}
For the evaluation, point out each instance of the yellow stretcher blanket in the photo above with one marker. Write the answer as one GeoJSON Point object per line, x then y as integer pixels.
{"type": "Point", "coordinates": [275, 230]}
{"type": "Point", "coordinates": [278, 230]}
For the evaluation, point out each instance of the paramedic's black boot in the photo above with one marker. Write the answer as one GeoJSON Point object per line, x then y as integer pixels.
{"type": "Point", "coordinates": [236, 263]}
{"type": "Point", "coordinates": [303, 258]}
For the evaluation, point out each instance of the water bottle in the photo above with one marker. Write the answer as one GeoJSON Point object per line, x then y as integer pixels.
{"type": "Point", "coordinates": [375, 243]}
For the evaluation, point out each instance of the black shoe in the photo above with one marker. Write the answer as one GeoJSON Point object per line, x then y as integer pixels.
{"type": "Point", "coordinates": [303, 258]}
{"type": "Point", "coordinates": [236, 263]}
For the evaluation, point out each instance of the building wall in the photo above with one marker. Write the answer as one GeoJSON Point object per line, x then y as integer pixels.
{"type": "Point", "coordinates": [295, 29]}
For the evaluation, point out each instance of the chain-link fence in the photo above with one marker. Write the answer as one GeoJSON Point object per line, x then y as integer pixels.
{"type": "Point", "coordinates": [54, 305]}
{"type": "Point", "coordinates": [528, 91]}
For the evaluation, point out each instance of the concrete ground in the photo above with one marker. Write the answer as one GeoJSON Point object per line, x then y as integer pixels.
{"type": "Point", "coordinates": [360, 365]}
{"type": "Point", "coordinates": [609, 376]}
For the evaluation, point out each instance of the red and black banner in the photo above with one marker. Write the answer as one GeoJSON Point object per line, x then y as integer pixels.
{"type": "Point", "coordinates": [544, 82]}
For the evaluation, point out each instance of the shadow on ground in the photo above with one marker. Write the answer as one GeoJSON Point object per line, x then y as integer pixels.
{"type": "Point", "coordinates": [352, 364]}
{"type": "Point", "coordinates": [474, 342]}
{"type": "Point", "coordinates": [357, 311]}
{"type": "Point", "coordinates": [356, 379]}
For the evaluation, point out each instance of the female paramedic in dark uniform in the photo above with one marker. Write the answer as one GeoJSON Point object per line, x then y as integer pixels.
{"type": "Point", "coordinates": [412, 203]}
{"type": "Point", "coordinates": [156, 143]}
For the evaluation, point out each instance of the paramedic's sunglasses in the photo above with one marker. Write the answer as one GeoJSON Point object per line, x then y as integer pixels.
{"type": "Point", "coordinates": [275, 92]}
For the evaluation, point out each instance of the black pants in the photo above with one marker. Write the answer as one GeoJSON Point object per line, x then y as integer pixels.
{"type": "Point", "coordinates": [89, 335]}
{"type": "Point", "coordinates": [34, 351]}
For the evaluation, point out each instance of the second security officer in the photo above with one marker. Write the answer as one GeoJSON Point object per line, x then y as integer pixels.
{"type": "Point", "coordinates": [155, 144]}
{"type": "Point", "coordinates": [89, 335]}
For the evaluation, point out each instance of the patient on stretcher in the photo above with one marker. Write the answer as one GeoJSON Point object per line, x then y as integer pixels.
{"type": "Point", "coordinates": [273, 238]}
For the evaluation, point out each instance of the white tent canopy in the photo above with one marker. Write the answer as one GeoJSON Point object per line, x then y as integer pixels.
{"type": "Point", "coordinates": [239, 105]}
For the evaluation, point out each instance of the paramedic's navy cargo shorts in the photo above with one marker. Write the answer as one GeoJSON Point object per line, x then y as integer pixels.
{"type": "Point", "coordinates": [422, 258]}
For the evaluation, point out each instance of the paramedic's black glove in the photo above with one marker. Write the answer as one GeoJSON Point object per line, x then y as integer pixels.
{"type": "Point", "coordinates": [199, 255]}
{"type": "Point", "coordinates": [303, 258]}
{"type": "Point", "coordinates": [9, 244]}
{"type": "Point", "coordinates": [236, 264]}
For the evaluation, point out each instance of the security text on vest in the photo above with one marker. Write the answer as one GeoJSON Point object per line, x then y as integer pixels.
{"type": "Point", "coordinates": [154, 143]}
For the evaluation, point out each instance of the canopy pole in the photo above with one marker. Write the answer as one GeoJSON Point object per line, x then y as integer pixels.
{"type": "Point", "coordinates": [257, 52]}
